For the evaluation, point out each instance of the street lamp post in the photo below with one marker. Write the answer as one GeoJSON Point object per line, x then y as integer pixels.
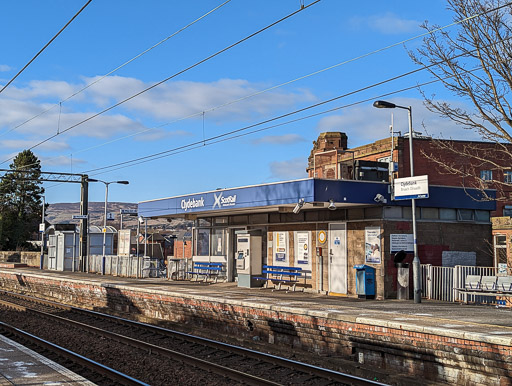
{"type": "Point", "coordinates": [416, 272]}
{"type": "Point", "coordinates": [103, 260]}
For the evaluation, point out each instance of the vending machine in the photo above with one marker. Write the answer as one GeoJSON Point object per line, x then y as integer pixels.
{"type": "Point", "coordinates": [248, 260]}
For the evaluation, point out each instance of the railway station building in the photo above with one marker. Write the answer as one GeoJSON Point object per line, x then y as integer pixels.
{"type": "Point", "coordinates": [328, 226]}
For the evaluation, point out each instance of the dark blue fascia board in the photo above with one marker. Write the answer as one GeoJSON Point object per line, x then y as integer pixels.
{"type": "Point", "coordinates": [311, 190]}
{"type": "Point", "coordinates": [282, 193]}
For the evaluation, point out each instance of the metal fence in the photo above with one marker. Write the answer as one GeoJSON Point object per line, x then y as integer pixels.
{"type": "Point", "coordinates": [126, 266]}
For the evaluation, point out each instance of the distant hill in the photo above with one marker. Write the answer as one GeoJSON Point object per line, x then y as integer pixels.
{"type": "Point", "coordinates": [62, 213]}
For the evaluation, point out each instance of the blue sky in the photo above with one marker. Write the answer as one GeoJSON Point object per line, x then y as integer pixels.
{"type": "Point", "coordinates": [208, 100]}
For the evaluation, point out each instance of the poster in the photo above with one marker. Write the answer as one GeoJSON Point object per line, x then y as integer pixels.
{"type": "Point", "coordinates": [401, 242]}
{"type": "Point", "coordinates": [303, 253]}
{"type": "Point", "coordinates": [280, 246]}
{"type": "Point", "coordinates": [372, 245]}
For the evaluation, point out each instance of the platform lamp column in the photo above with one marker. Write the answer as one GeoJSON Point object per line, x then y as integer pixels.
{"type": "Point", "coordinates": [416, 264]}
{"type": "Point", "coordinates": [42, 230]}
{"type": "Point", "coordinates": [103, 259]}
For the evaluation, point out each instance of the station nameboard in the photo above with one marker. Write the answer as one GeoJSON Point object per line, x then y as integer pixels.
{"type": "Point", "coordinates": [411, 188]}
{"type": "Point", "coordinates": [80, 216]}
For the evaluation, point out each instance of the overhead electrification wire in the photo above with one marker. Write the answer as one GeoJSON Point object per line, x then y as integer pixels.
{"type": "Point", "coordinates": [116, 69]}
{"type": "Point", "coordinates": [216, 139]}
{"type": "Point", "coordinates": [199, 113]}
{"type": "Point", "coordinates": [315, 105]}
{"type": "Point", "coordinates": [172, 76]}
{"type": "Point", "coordinates": [46, 45]}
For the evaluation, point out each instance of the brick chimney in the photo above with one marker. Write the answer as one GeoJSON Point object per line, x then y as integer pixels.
{"type": "Point", "coordinates": [331, 140]}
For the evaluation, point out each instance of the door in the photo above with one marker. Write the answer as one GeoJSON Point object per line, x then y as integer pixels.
{"type": "Point", "coordinates": [338, 258]}
{"type": "Point", "coordinates": [52, 252]}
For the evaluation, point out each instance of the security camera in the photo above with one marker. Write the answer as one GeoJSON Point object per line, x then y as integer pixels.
{"type": "Point", "coordinates": [379, 198]}
{"type": "Point", "coordinates": [332, 205]}
{"type": "Point", "coordinates": [299, 206]}
{"type": "Point", "coordinates": [141, 220]}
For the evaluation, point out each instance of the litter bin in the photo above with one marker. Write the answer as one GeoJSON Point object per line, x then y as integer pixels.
{"type": "Point", "coordinates": [365, 281]}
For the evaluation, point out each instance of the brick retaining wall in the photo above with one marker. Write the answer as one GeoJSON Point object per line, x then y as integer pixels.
{"type": "Point", "coordinates": [405, 349]}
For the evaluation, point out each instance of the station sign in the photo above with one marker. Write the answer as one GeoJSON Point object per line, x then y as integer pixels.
{"type": "Point", "coordinates": [111, 216]}
{"type": "Point", "coordinates": [42, 227]}
{"type": "Point", "coordinates": [128, 211]}
{"type": "Point", "coordinates": [80, 217]}
{"type": "Point", "coordinates": [411, 188]}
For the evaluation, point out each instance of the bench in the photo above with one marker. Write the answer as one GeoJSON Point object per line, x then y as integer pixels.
{"type": "Point", "coordinates": [206, 269]}
{"type": "Point", "coordinates": [493, 286]}
{"type": "Point", "coordinates": [279, 275]}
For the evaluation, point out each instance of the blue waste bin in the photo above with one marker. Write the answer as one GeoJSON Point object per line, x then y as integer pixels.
{"type": "Point", "coordinates": [365, 281]}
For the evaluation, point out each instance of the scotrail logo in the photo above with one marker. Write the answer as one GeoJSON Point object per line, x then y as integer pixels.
{"type": "Point", "coordinates": [221, 201]}
{"type": "Point", "coordinates": [192, 203]}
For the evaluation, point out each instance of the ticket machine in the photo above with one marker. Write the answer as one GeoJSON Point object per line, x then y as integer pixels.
{"type": "Point", "coordinates": [248, 260]}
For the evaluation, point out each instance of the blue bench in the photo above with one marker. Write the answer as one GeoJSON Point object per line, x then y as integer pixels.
{"type": "Point", "coordinates": [279, 275]}
{"type": "Point", "coordinates": [207, 270]}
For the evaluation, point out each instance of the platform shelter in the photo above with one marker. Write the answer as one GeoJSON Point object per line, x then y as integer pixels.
{"type": "Point", "coordinates": [326, 227]}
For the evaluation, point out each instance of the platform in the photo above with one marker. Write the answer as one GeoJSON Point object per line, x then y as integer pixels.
{"type": "Point", "coordinates": [22, 366]}
{"type": "Point", "coordinates": [451, 341]}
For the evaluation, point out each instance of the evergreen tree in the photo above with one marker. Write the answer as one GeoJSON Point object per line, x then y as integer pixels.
{"type": "Point", "coordinates": [20, 201]}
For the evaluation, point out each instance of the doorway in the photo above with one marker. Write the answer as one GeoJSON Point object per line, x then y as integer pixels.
{"type": "Point", "coordinates": [338, 258]}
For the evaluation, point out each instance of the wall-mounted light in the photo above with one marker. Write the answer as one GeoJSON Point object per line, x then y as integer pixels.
{"type": "Point", "coordinates": [332, 205]}
{"type": "Point", "coordinates": [299, 206]}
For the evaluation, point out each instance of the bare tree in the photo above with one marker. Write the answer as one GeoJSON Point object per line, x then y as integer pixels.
{"type": "Point", "coordinates": [474, 64]}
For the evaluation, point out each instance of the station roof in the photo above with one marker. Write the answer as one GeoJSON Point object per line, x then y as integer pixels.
{"type": "Point", "coordinates": [315, 193]}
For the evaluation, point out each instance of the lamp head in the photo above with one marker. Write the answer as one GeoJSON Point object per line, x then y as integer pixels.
{"type": "Point", "coordinates": [383, 105]}
{"type": "Point", "coordinates": [332, 205]}
{"type": "Point", "coordinates": [123, 182]}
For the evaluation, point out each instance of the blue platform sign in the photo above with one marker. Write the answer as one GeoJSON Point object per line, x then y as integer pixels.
{"type": "Point", "coordinates": [411, 188]}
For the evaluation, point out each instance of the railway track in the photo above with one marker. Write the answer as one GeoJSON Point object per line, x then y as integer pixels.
{"type": "Point", "coordinates": [192, 357]}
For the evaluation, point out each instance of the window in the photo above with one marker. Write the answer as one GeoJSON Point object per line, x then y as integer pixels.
{"type": "Point", "coordinates": [507, 177]}
{"type": "Point", "coordinates": [486, 175]}
{"type": "Point", "coordinates": [202, 242]}
{"type": "Point", "coordinates": [507, 211]}
{"type": "Point", "coordinates": [218, 242]}
{"type": "Point", "coordinates": [448, 214]}
{"type": "Point", "coordinates": [429, 213]}
{"type": "Point", "coordinates": [482, 215]}
{"type": "Point", "coordinates": [466, 215]}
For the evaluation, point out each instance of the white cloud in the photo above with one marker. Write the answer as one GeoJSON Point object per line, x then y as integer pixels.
{"type": "Point", "coordinates": [286, 139]}
{"type": "Point", "coordinates": [290, 169]}
{"type": "Point", "coordinates": [169, 102]}
{"type": "Point", "coordinates": [5, 68]}
{"type": "Point", "coordinates": [176, 100]}
{"type": "Point", "coordinates": [25, 144]}
{"type": "Point", "coordinates": [365, 124]}
{"type": "Point", "coordinates": [387, 23]}
{"type": "Point", "coordinates": [157, 134]}
{"type": "Point", "coordinates": [61, 161]}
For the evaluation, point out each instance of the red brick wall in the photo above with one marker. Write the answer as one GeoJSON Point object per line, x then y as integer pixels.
{"type": "Point", "coordinates": [428, 354]}
{"type": "Point", "coordinates": [178, 249]}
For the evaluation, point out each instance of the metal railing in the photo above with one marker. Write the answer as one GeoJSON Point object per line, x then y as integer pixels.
{"type": "Point", "coordinates": [443, 283]}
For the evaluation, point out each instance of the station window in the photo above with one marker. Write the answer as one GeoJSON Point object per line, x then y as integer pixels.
{"type": "Point", "coordinates": [448, 214]}
{"type": "Point", "coordinates": [466, 215]}
{"type": "Point", "coordinates": [482, 215]}
{"type": "Point", "coordinates": [392, 212]}
{"type": "Point", "coordinates": [486, 175]}
{"type": "Point", "coordinates": [430, 213]}
{"type": "Point", "coordinates": [507, 177]}
{"type": "Point", "coordinates": [202, 242]}
{"type": "Point", "coordinates": [507, 210]}
{"type": "Point", "coordinates": [218, 242]}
